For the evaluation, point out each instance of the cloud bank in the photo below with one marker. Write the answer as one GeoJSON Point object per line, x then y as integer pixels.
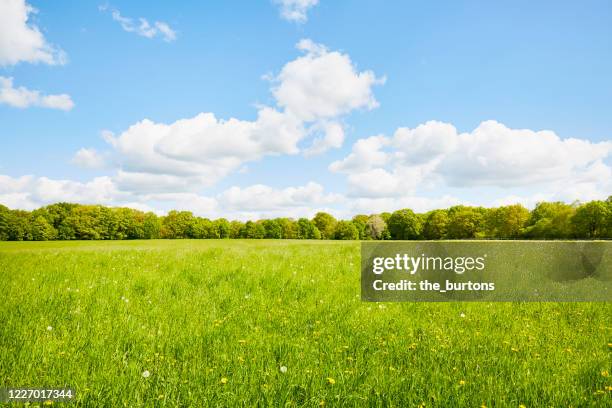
{"type": "Point", "coordinates": [435, 154]}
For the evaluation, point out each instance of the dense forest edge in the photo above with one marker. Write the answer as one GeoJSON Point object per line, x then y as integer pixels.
{"type": "Point", "coordinates": [548, 220]}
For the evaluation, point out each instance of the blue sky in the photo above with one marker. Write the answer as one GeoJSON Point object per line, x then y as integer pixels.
{"type": "Point", "coordinates": [470, 85]}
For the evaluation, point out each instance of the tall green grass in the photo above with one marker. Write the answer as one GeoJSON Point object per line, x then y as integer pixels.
{"type": "Point", "coordinates": [215, 322]}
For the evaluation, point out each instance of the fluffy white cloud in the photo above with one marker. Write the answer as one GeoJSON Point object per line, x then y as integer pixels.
{"type": "Point", "coordinates": [30, 192]}
{"type": "Point", "coordinates": [22, 97]}
{"type": "Point", "coordinates": [22, 41]}
{"type": "Point", "coordinates": [366, 154]}
{"type": "Point", "coordinates": [323, 84]}
{"type": "Point", "coordinates": [201, 150]}
{"type": "Point", "coordinates": [197, 152]}
{"type": "Point", "coordinates": [88, 159]}
{"type": "Point", "coordinates": [332, 138]}
{"type": "Point", "coordinates": [491, 156]}
{"type": "Point", "coordinates": [295, 10]}
{"type": "Point", "coordinates": [142, 26]}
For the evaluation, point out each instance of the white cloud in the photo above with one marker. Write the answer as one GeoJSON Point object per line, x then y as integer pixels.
{"type": "Point", "coordinates": [332, 138]}
{"type": "Point", "coordinates": [366, 154]}
{"type": "Point", "coordinates": [434, 154]}
{"type": "Point", "coordinates": [323, 84]}
{"type": "Point", "coordinates": [22, 97]}
{"type": "Point", "coordinates": [197, 152]}
{"type": "Point", "coordinates": [88, 159]}
{"type": "Point", "coordinates": [20, 40]}
{"type": "Point", "coordinates": [295, 10]}
{"type": "Point", "coordinates": [29, 192]}
{"type": "Point", "coordinates": [142, 26]}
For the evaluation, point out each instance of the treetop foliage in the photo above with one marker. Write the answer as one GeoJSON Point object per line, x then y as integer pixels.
{"type": "Point", "coordinates": [548, 220]}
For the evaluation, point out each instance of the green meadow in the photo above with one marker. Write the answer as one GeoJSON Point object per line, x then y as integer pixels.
{"type": "Point", "coordinates": [277, 323]}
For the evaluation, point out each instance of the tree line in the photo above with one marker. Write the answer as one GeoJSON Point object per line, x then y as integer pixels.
{"type": "Point", "coordinates": [548, 220]}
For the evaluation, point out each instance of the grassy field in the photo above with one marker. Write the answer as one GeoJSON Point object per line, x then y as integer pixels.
{"type": "Point", "coordinates": [278, 323]}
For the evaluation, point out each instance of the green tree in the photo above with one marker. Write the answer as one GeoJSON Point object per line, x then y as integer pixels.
{"type": "Point", "coordinates": [436, 224]}
{"type": "Point", "coordinates": [85, 222]}
{"type": "Point", "coordinates": [236, 229]}
{"type": "Point", "coordinates": [41, 229]}
{"type": "Point", "coordinates": [223, 228]}
{"type": "Point", "coordinates": [550, 221]}
{"type": "Point", "coordinates": [151, 226]}
{"type": "Point", "coordinates": [254, 230]}
{"type": "Point", "coordinates": [19, 226]}
{"type": "Point", "coordinates": [4, 221]}
{"type": "Point", "coordinates": [307, 229]}
{"type": "Point", "coordinates": [273, 229]}
{"type": "Point", "coordinates": [60, 217]}
{"type": "Point", "coordinates": [404, 224]}
{"type": "Point", "coordinates": [346, 230]}
{"type": "Point", "coordinates": [507, 222]}
{"type": "Point", "coordinates": [465, 222]}
{"type": "Point", "coordinates": [177, 224]}
{"type": "Point", "coordinates": [326, 224]}
{"type": "Point", "coordinates": [201, 228]}
{"type": "Point", "coordinates": [592, 220]}
{"type": "Point", "coordinates": [289, 228]}
{"type": "Point", "coordinates": [360, 222]}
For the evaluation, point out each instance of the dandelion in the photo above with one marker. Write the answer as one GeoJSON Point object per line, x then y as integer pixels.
{"type": "Point", "coordinates": [283, 369]}
{"type": "Point", "coordinates": [224, 380]}
{"type": "Point", "coordinates": [522, 406]}
{"type": "Point", "coordinates": [330, 381]}
{"type": "Point", "coordinates": [462, 382]}
{"type": "Point", "coordinates": [605, 373]}
{"type": "Point", "coordinates": [146, 374]}
{"type": "Point", "coordinates": [462, 315]}
{"type": "Point", "coordinates": [49, 328]}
